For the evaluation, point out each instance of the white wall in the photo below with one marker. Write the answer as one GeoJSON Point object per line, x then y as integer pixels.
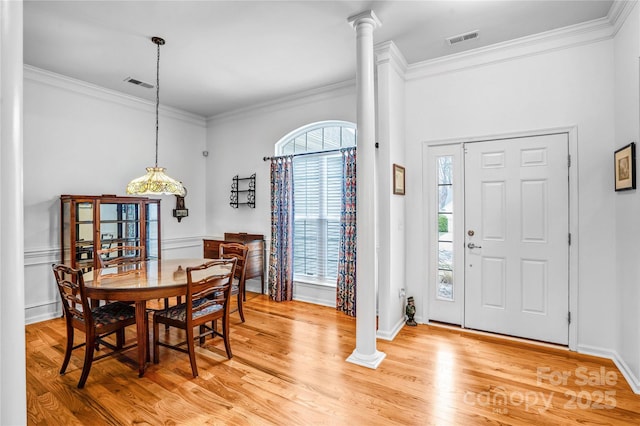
{"type": "Point", "coordinates": [391, 67]}
{"type": "Point", "coordinates": [237, 144]}
{"type": "Point", "coordinates": [560, 87]}
{"type": "Point", "coordinates": [82, 139]}
{"type": "Point", "coordinates": [627, 203]}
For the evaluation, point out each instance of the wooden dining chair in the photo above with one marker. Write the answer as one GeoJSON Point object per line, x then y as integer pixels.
{"type": "Point", "coordinates": [208, 287]}
{"type": "Point", "coordinates": [240, 252]}
{"type": "Point", "coordinates": [96, 323]}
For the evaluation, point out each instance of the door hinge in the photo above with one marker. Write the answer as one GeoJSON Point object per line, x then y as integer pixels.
{"type": "Point", "coordinates": [569, 160]}
{"type": "Point", "coordinates": [569, 238]}
{"type": "Point", "coordinates": [569, 317]}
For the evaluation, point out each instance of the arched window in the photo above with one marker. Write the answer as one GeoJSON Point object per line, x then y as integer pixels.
{"type": "Point", "coordinates": [321, 136]}
{"type": "Point", "coordinates": [317, 183]}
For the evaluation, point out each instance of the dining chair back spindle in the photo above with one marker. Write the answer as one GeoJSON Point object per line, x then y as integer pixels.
{"type": "Point", "coordinates": [96, 323]}
{"type": "Point", "coordinates": [207, 299]}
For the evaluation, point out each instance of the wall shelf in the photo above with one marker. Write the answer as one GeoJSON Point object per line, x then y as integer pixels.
{"type": "Point", "coordinates": [243, 191]}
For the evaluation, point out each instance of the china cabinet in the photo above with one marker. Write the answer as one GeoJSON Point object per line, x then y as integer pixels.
{"type": "Point", "coordinates": [92, 222]}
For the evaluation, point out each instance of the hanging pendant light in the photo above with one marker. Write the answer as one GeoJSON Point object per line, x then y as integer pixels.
{"type": "Point", "coordinates": [156, 182]}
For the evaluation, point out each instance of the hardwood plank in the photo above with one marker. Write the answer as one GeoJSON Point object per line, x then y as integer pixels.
{"type": "Point", "coordinates": [289, 368]}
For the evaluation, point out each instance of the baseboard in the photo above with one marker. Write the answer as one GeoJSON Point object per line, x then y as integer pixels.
{"type": "Point", "coordinates": [254, 285]}
{"type": "Point", "coordinates": [391, 334]}
{"type": "Point", "coordinates": [313, 293]}
{"type": "Point", "coordinates": [627, 373]}
{"type": "Point", "coordinates": [42, 312]}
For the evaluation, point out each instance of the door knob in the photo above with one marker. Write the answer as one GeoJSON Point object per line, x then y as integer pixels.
{"type": "Point", "coordinates": [472, 246]}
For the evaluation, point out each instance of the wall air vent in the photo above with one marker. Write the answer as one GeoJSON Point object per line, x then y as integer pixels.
{"type": "Point", "coordinates": [463, 37]}
{"type": "Point", "coordinates": [138, 82]}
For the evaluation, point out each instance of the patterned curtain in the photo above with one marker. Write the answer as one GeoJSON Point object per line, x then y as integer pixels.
{"type": "Point", "coordinates": [281, 254]}
{"type": "Point", "coordinates": [346, 285]}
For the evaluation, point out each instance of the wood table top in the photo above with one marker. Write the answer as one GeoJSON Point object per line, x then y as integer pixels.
{"type": "Point", "coordinates": [153, 276]}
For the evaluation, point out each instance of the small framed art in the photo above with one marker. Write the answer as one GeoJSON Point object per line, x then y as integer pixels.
{"type": "Point", "coordinates": [398, 179]}
{"type": "Point", "coordinates": [625, 167]}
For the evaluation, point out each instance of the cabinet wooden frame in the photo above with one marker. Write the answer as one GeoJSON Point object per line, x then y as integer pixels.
{"type": "Point", "coordinates": [81, 235]}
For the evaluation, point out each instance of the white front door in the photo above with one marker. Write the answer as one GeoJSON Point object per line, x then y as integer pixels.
{"type": "Point", "coordinates": [516, 237]}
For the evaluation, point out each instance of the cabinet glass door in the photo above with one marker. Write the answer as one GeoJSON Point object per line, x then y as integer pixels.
{"type": "Point", "coordinates": [119, 224]}
{"type": "Point", "coordinates": [152, 230]}
{"type": "Point", "coordinates": [84, 234]}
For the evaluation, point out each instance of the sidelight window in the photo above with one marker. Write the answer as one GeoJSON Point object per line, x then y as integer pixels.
{"type": "Point", "coordinates": [445, 228]}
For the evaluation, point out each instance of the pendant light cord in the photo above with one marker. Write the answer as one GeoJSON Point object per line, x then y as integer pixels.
{"type": "Point", "coordinates": [157, 99]}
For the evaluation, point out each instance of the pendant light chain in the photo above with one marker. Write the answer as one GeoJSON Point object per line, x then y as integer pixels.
{"type": "Point", "coordinates": [157, 99]}
{"type": "Point", "coordinates": [156, 181]}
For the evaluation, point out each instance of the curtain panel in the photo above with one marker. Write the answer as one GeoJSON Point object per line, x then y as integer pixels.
{"type": "Point", "coordinates": [346, 282]}
{"type": "Point", "coordinates": [281, 253]}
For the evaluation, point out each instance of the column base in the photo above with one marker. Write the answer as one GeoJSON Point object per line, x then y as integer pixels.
{"type": "Point", "coordinates": [370, 361]}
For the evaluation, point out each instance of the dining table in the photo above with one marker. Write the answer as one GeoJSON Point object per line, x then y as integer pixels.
{"type": "Point", "coordinates": [140, 282]}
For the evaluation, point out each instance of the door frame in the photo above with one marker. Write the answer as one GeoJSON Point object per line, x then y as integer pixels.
{"type": "Point", "coordinates": [572, 136]}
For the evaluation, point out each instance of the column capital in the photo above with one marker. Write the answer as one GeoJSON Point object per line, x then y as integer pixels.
{"type": "Point", "coordinates": [367, 16]}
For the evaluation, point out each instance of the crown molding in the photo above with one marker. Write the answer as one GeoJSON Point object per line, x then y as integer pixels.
{"type": "Point", "coordinates": [388, 53]}
{"type": "Point", "coordinates": [297, 99]}
{"type": "Point", "coordinates": [619, 12]}
{"type": "Point", "coordinates": [562, 38]}
{"type": "Point", "coordinates": [82, 87]}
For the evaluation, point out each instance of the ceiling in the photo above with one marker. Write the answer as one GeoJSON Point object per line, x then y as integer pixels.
{"type": "Point", "coordinates": [221, 56]}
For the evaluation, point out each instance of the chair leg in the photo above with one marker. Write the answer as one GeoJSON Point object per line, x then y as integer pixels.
{"type": "Point", "coordinates": [146, 336]}
{"type": "Point", "coordinates": [119, 339]}
{"type": "Point", "coordinates": [88, 359]}
{"type": "Point", "coordinates": [69, 349]}
{"type": "Point", "coordinates": [166, 306]}
{"type": "Point", "coordinates": [240, 311]}
{"type": "Point", "coordinates": [156, 339]}
{"type": "Point", "coordinates": [225, 336]}
{"type": "Point", "coordinates": [202, 329]}
{"type": "Point", "coordinates": [192, 352]}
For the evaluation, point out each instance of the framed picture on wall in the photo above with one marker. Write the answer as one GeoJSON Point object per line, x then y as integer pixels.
{"type": "Point", "coordinates": [398, 179]}
{"type": "Point", "coordinates": [625, 167]}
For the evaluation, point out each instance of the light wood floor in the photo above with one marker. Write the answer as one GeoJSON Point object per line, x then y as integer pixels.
{"type": "Point", "coordinates": [289, 368]}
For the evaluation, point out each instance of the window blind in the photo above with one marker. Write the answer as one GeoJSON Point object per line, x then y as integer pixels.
{"type": "Point", "coordinates": [317, 198]}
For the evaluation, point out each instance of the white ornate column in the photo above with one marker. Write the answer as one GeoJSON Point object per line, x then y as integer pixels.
{"type": "Point", "coordinates": [13, 407]}
{"type": "Point", "coordinates": [365, 353]}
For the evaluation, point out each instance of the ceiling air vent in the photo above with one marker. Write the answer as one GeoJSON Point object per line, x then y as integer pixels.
{"type": "Point", "coordinates": [138, 82]}
{"type": "Point", "coordinates": [463, 37]}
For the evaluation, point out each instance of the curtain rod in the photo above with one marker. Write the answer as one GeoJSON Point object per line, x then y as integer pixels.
{"type": "Point", "coordinates": [307, 153]}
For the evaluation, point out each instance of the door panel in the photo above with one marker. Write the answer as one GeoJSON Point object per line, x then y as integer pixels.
{"type": "Point", "coordinates": [516, 230]}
